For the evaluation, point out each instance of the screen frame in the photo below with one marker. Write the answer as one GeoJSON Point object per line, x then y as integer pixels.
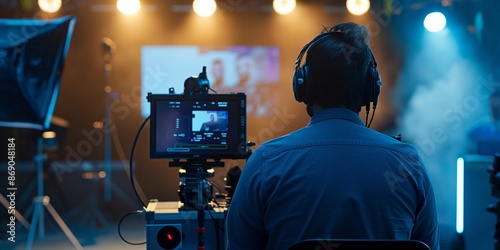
{"type": "Point", "coordinates": [237, 151]}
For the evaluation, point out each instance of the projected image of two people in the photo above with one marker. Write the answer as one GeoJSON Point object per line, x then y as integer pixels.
{"type": "Point", "coordinates": [253, 70]}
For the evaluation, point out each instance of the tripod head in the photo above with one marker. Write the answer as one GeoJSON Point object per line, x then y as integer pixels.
{"type": "Point", "coordinates": [195, 192]}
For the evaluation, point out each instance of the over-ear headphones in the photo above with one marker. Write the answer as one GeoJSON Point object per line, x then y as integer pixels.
{"type": "Point", "coordinates": [302, 77]}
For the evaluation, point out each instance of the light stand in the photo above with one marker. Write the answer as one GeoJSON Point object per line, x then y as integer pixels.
{"type": "Point", "coordinates": [40, 202]}
{"type": "Point", "coordinates": [30, 81]}
{"type": "Point", "coordinates": [108, 48]}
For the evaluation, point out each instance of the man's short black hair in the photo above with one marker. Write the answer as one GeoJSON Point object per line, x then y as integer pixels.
{"type": "Point", "coordinates": [338, 66]}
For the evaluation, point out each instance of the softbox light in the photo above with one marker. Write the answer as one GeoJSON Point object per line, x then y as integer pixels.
{"type": "Point", "coordinates": [32, 56]}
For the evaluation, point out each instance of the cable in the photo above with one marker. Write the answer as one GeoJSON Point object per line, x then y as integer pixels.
{"type": "Point", "coordinates": [215, 185]}
{"type": "Point", "coordinates": [131, 161]}
{"type": "Point", "coordinates": [371, 119]}
{"type": "Point", "coordinates": [217, 228]}
{"type": "Point", "coordinates": [366, 117]}
{"type": "Point", "coordinates": [216, 224]}
{"type": "Point", "coordinates": [121, 155]}
{"type": "Point", "coordinates": [215, 92]}
{"type": "Point", "coordinates": [120, 233]}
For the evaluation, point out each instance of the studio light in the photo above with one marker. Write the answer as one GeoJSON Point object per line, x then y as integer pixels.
{"type": "Point", "coordinates": [460, 196]}
{"type": "Point", "coordinates": [284, 7]}
{"type": "Point", "coordinates": [435, 22]}
{"type": "Point", "coordinates": [50, 6]}
{"type": "Point", "coordinates": [128, 7]}
{"type": "Point", "coordinates": [204, 8]}
{"type": "Point", "coordinates": [49, 135]}
{"type": "Point", "coordinates": [358, 7]}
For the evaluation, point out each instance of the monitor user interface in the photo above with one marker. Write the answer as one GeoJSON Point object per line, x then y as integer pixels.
{"type": "Point", "coordinates": [197, 128]}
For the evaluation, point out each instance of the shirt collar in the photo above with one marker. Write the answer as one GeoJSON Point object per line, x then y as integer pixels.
{"type": "Point", "coordinates": [336, 113]}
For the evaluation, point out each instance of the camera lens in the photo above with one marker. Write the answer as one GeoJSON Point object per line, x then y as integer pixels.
{"type": "Point", "coordinates": [169, 237]}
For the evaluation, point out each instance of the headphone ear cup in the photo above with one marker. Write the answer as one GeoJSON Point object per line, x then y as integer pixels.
{"type": "Point", "coordinates": [299, 83]}
{"type": "Point", "coordinates": [377, 87]}
{"type": "Point", "coordinates": [372, 86]}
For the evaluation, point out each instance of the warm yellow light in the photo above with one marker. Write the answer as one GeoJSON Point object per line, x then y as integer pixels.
{"type": "Point", "coordinates": [49, 135]}
{"type": "Point", "coordinates": [128, 7]}
{"type": "Point", "coordinates": [284, 7]}
{"type": "Point", "coordinates": [204, 8]}
{"type": "Point", "coordinates": [50, 6]}
{"type": "Point", "coordinates": [358, 7]}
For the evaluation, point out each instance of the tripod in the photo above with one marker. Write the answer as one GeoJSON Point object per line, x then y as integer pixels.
{"type": "Point", "coordinates": [194, 190]}
{"type": "Point", "coordinates": [40, 202]}
{"type": "Point", "coordinates": [29, 95]}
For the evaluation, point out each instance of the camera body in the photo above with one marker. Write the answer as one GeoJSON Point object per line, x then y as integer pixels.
{"type": "Point", "coordinates": [197, 130]}
{"type": "Point", "coordinates": [197, 85]}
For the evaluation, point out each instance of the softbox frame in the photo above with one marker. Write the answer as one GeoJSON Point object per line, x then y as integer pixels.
{"type": "Point", "coordinates": [32, 56]}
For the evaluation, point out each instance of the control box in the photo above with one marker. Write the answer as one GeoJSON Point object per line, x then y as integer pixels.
{"type": "Point", "coordinates": [167, 227]}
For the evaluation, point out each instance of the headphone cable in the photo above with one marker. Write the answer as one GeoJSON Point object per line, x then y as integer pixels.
{"type": "Point", "coordinates": [371, 119]}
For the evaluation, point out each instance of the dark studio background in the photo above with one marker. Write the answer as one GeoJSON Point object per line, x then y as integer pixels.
{"type": "Point", "coordinates": [405, 61]}
{"type": "Point", "coordinates": [82, 98]}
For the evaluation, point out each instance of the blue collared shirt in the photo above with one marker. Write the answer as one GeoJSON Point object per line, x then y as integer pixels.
{"type": "Point", "coordinates": [334, 178]}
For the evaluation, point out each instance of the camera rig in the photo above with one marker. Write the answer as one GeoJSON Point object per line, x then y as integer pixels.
{"type": "Point", "coordinates": [196, 130]}
{"type": "Point", "coordinates": [195, 191]}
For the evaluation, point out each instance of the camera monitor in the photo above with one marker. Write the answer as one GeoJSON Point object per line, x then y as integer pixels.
{"type": "Point", "coordinates": [198, 127]}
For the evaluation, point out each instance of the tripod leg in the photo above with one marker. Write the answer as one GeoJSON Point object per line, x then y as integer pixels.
{"type": "Point", "coordinates": [18, 215]}
{"type": "Point", "coordinates": [60, 222]}
{"type": "Point", "coordinates": [31, 235]}
{"type": "Point", "coordinates": [40, 203]}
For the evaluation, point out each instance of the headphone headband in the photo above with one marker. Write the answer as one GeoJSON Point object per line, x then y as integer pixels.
{"type": "Point", "coordinates": [302, 82]}
{"type": "Point", "coordinates": [312, 42]}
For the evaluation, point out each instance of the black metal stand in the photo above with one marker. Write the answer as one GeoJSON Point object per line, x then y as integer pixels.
{"type": "Point", "coordinates": [194, 190]}
{"type": "Point", "coordinates": [109, 47]}
{"type": "Point", "coordinates": [200, 174]}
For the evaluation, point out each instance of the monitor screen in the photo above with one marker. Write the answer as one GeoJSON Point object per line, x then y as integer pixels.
{"type": "Point", "coordinates": [198, 127]}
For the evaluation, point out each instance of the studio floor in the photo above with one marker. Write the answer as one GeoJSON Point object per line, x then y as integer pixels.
{"type": "Point", "coordinates": [133, 229]}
